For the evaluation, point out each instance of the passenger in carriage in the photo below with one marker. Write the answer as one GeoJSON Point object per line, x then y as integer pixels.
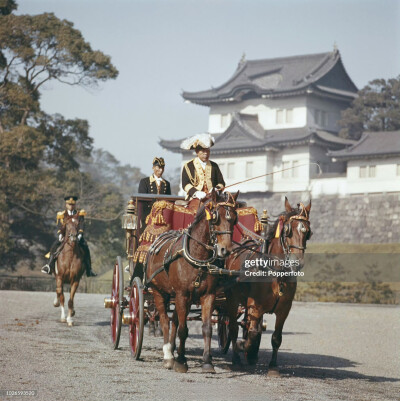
{"type": "Point", "coordinates": [70, 212]}
{"type": "Point", "coordinates": [200, 175]}
{"type": "Point", "coordinates": [154, 184]}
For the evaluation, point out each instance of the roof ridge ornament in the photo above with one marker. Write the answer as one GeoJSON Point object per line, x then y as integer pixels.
{"type": "Point", "coordinates": [335, 48]}
{"type": "Point", "coordinates": [242, 60]}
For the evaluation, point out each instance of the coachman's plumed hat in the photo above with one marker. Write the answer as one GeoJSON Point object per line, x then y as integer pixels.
{"type": "Point", "coordinates": [159, 161]}
{"type": "Point", "coordinates": [71, 200]}
{"type": "Point", "coordinates": [203, 140]}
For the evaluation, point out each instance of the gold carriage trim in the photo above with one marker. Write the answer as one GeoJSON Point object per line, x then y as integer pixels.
{"type": "Point", "coordinates": [151, 233]}
{"type": "Point", "coordinates": [141, 253]}
{"type": "Point", "coordinates": [245, 211]}
{"type": "Point", "coordinates": [82, 212]}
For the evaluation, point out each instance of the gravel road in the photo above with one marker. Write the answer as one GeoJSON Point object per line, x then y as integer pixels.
{"type": "Point", "coordinates": [329, 352]}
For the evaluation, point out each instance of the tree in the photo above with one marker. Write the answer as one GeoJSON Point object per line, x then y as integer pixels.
{"type": "Point", "coordinates": [377, 108]}
{"type": "Point", "coordinates": [39, 153]}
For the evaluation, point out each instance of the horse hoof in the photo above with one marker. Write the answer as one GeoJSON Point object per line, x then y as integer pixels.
{"type": "Point", "coordinates": [169, 363]}
{"type": "Point", "coordinates": [236, 366]}
{"type": "Point", "coordinates": [273, 372]}
{"type": "Point", "coordinates": [56, 303]}
{"type": "Point", "coordinates": [63, 320]}
{"type": "Point", "coordinates": [73, 313]}
{"type": "Point", "coordinates": [70, 324]}
{"type": "Point", "coordinates": [180, 367]}
{"type": "Point", "coordinates": [252, 360]}
{"type": "Point", "coordinates": [208, 368]}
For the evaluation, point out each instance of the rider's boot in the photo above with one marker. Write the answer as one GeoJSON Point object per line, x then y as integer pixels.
{"type": "Point", "coordinates": [49, 267]}
{"type": "Point", "coordinates": [89, 271]}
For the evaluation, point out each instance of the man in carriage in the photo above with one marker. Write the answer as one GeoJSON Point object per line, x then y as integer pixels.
{"type": "Point", "coordinates": [70, 212]}
{"type": "Point", "coordinates": [200, 174]}
{"type": "Point", "coordinates": [154, 184]}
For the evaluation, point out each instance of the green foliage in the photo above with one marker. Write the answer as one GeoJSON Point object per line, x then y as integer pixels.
{"type": "Point", "coordinates": [377, 108]}
{"type": "Point", "coordinates": [7, 6]}
{"type": "Point", "coordinates": [41, 154]}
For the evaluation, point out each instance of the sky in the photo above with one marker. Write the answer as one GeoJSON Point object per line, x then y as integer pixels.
{"type": "Point", "coordinates": [164, 47]}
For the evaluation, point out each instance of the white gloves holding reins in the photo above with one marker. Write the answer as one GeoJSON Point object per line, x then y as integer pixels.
{"type": "Point", "coordinates": [199, 195]}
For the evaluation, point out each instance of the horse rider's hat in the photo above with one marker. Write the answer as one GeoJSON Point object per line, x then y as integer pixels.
{"type": "Point", "coordinates": [71, 200]}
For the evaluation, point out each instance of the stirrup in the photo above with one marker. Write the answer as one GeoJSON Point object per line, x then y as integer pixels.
{"type": "Point", "coordinates": [46, 269]}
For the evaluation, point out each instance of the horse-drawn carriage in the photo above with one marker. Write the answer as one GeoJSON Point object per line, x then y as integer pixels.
{"type": "Point", "coordinates": [179, 239]}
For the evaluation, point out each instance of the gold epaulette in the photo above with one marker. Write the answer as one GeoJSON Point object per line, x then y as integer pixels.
{"type": "Point", "coordinates": [82, 212]}
{"type": "Point", "coordinates": [60, 216]}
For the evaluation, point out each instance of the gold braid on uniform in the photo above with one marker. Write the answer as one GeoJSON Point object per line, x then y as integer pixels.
{"type": "Point", "coordinates": [194, 181]}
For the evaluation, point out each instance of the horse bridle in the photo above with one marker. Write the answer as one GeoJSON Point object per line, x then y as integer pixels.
{"type": "Point", "coordinates": [288, 231]}
{"type": "Point", "coordinates": [213, 218]}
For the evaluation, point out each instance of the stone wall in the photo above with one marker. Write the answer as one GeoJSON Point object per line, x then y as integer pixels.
{"type": "Point", "coordinates": [354, 219]}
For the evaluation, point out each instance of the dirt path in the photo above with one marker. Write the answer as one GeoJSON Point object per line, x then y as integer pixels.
{"type": "Point", "coordinates": [329, 352]}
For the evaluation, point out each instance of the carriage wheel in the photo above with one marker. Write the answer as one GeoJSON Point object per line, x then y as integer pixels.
{"type": "Point", "coordinates": [136, 312]}
{"type": "Point", "coordinates": [117, 294]}
{"type": "Point", "coordinates": [224, 339]}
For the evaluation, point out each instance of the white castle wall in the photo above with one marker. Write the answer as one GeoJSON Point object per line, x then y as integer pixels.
{"type": "Point", "coordinates": [266, 109]}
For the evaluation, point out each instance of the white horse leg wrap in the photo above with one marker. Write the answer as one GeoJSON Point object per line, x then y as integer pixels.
{"type": "Point", "coordinates": [167, 351]}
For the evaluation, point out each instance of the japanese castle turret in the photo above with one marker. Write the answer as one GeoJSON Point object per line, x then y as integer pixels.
{"type": "Point", "coordinates": [282, 114]}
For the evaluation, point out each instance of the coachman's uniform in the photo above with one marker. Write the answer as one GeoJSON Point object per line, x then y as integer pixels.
{"type": "Point", "coordinates": [152, 185]}
{"type": "Point", "coordinates": [195, 178]}
{"type": "Point", "coordinates": [200, 175]}
{"type": "Point", "coordinates": [149, 185]}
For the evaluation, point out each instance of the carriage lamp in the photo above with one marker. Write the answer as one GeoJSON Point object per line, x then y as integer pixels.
{"type": "Point", "coordinates": [264, 221]}
{"type": "Point", "coordinates": [129, 219]}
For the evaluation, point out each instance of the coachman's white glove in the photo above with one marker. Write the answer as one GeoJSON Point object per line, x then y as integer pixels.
{"type": "Point", "coordinates": [199, 195]}
{"type": "Point", "coordinates": [79, 237]}
{"type": "Point", "coordinates": [60, 237]}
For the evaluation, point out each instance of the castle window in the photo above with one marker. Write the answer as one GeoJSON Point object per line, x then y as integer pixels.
{"type": "Point", "coordinates": [249, 169]}
{"type": "Point", "coordinates": [279, 116]}
{"type": "Point", "coordinates": [289, 116]}
{"type": "Point", "coordinates": [286, 173]}
{"type": "Point", "coordinates": [371, 171]}
{"type": "Point", "coordinates": [295, 171]}
{"type": "Point", "coordinates": [363, 171]}
{"type": "Point", "coordinates": [231, 170]}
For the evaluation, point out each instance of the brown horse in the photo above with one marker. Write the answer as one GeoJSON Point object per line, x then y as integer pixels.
{"type": "Point", "coordinates": [181, 265]}
{"type": "Point", "coordinates": [69, 268]}
{"type": "Point", "coordinates": [286, 240]}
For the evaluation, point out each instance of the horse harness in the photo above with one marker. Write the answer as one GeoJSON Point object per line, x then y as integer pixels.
{"type": "Point", "coordinates": [173, 237]}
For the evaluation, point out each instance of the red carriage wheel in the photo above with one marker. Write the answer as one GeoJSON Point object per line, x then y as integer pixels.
{"type": "Point", "coordinates": [136, 317]}
{"type": "Point", "coordinates": [117, 294]}
{"type": "Point", "coordinates": [224, 339]}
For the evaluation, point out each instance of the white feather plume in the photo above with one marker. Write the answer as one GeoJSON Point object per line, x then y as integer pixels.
{"type": "Point", "coordinates": [204, 140]}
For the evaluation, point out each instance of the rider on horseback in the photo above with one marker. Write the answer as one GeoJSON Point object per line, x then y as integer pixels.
{"type": "Point", "coordinates": [69, 213]}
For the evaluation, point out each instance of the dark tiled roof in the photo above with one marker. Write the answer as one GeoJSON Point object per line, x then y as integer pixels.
{"type": "Point", "coordinates": [382, 143]}
{"type": "Point", "coordinates": [245, 133]}
{"type": "Point", "coordinates": [281, 77]}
